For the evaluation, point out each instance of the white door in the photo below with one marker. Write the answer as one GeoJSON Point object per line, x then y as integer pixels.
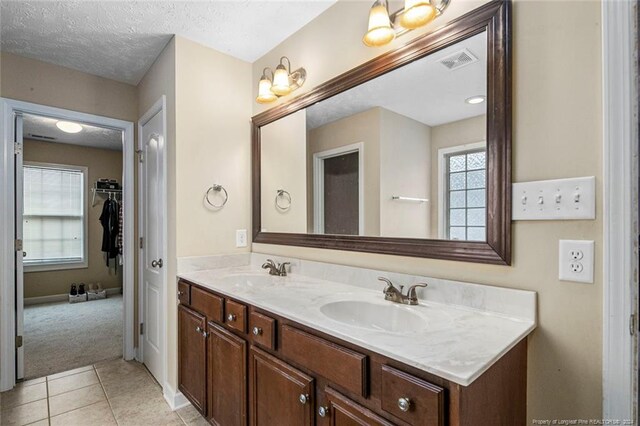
{"type": "Point", "coordinates": [152, 196]}
{"type": "Point", "coordinates": [19, 254]}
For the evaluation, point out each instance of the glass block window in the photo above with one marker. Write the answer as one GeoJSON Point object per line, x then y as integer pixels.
{"type": "Point", "coordinates": [54, 216]}
{"type": "Point", "coordinates": [466, 177]}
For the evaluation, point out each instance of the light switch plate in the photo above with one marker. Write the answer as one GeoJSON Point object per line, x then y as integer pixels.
{"type": "Point", "coordinates": [559, 199]}
{"type": "Point", "coordinates": [576, 260]}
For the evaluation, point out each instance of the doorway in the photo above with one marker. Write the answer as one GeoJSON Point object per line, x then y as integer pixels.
{"type": "Point", "coordinates": [338, 190]}
{"type": "Point", "coordinates": [53, 202]}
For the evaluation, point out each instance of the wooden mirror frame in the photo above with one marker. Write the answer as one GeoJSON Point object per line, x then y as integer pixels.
{"type": "Point", "coordinates": [494, 18]}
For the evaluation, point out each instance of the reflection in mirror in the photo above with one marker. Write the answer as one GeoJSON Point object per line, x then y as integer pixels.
{"type": "Point", "coordinates": [402, 155]}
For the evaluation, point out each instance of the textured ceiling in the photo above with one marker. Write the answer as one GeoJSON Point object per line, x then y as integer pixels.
{"type": "Point", "coordinates": [34, 127]}
{"type": "Point", "coordinates": [424, 90]}
{"type": "Point", "coordinates": [121, 39]}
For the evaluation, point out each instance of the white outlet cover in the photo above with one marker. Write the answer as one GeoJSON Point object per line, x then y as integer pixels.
{"type": "Point", "coordinates": [241, 238]}
{"type": "Point", "coordinates": [569, 267]}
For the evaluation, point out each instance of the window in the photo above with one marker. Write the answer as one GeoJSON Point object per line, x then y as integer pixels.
{"type": "Point", "coordinates": [464, 195]}
{"type": "Point", "coordinates": [54, 217]}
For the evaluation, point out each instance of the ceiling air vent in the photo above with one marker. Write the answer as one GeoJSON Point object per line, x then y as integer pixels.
{"type": "Point", "coordinates": [458, 59]}
{"type": "Point", "coordinates": [40, 137]}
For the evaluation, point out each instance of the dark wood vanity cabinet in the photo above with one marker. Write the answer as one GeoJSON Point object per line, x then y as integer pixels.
{"type": "Point", "coordinates": [192, 351]}
{"type": "Point", "coordinates": [239, 365]}
{"type": "Point", "coordinates": [279, 394]}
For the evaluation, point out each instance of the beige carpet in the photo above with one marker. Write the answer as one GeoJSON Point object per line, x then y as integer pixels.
{"type": "Point", "coordinates": [62, 336]}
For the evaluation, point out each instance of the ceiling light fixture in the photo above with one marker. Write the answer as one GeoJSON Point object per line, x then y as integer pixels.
{"type": "Point", "coordinates": [473, 100]}
{"type": "Point", "coordinates": [69, 126]}
{"type": "Point", "coordinates": [383, 27]}
{"type": "Point", "coordinates": [281, 82]}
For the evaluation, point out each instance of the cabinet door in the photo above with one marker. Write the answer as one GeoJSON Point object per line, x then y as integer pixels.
{"type": "Point", "coordinates": [280, 394]}
{"type": "Point", "coordinates": [192, 356]}
{"type": "Point", "coordinates": [227, 370]}
{"type": "Point", "coordinates": [341, 411]}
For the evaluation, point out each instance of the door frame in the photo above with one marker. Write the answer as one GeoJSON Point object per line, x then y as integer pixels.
{"type": "Point", "coordinates": [620, 175]}
{"type": "Point", "coordinates": [159, 106]}
{"type": "Point", "coordinates": [8, 108]}
{"type": "Point", "coordinates": [318, 184]}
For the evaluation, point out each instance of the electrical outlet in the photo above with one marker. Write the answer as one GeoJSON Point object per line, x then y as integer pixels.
{"type": "Point", "coordinates": [241, 238]}
{"type": "Point", "coordinates": [576, 260]}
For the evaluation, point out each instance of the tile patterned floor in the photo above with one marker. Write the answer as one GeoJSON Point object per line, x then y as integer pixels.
{"type": "Point", "coordinates": [113, 392]}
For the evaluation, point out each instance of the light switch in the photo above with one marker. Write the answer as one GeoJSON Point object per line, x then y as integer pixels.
{"type": "Point", "coordinates": [559, 199]}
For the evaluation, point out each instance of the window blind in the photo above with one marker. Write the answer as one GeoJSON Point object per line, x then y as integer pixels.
{"type": "Point", "coordinates": [53, 215]}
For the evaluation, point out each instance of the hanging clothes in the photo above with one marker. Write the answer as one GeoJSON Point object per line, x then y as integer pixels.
{"type": "Point", "coordinates": [110, 229]}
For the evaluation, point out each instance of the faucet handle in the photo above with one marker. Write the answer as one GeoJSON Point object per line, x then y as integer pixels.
{"type": "Point", "coordinates": [387, 281]}
{"type": "Point", "coordinates": [411, 293]}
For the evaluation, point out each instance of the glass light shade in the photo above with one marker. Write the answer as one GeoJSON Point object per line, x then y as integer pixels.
{"type": "Point", "coordinates": [265, 95]}
{"type": "Point", "coordinates": [380, 31]}
{"type": "Point", "coordinates": [281, 85]}
{"type": "Point", "coordinates": [69, 126]}
{"type": "Point", "coordinates": [417, 13]}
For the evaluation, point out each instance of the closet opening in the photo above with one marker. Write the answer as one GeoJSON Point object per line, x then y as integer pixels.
{"type": "Point", "coordinates": [69, 217]}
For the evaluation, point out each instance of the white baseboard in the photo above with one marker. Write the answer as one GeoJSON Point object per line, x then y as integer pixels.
{"type": "Point", "coordinates": [175, 399]}
{"type": "Point", "coordinates": [62, 297]}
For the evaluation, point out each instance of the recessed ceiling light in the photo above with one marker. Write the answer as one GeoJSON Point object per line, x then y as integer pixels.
{"type": "Point", "coordinates": [69, 126]}
{"type": "Point", "coordinates": [475, 100]}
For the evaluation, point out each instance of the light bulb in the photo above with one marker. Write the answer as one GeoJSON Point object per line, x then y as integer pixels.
{"type": "Point", "coordinates": [417, 13]}
{"type": "Point", "coordinates": [379, 31]}
{"type": "Point", "coordinates": [265, 95]}
{"type": "Point", "coordinates": [69, 126]}
{"type": "Point", "coordinates": [281, 85]}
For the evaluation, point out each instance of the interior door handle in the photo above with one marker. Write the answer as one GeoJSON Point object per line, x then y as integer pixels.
{"type": "Point", "coordinates": [156, 263]}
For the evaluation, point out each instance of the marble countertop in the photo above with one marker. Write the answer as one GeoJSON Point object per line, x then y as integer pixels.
{"type": "Point", "coordinates": [457, 343]}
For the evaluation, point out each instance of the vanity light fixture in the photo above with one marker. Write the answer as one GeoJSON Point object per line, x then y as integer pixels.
{"type": "Point", "coordinates": [69, 126]}
{"type": "Point", "coordinates": [473, 100]}
{"type": "Point", "coordinates": [383, 28]}
{"type": "Point", "coordinates": [282, 82]}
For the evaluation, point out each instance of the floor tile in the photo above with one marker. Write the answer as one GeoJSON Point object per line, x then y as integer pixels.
{"type": "Point", "coordinates": [70, 372]}
{"type": "Point", "coordinates": [32, 381]}
{"type": "Point", "coordinates": [44, 422]}
{"type": "Point", "coordinates": [78, 398]}
{"type": "Point", "coordinates": [95, 415]}
{"type": "Point", "coordinates": [24, 414]}
{"type": "Point", "coordinates": [73, 382]}
{"type": "Point", "coordinates": [23, 394]}
{"type": "Point", "coordinates": [150, 411]}
{"type": "Point", "coordinates": [188, 413]}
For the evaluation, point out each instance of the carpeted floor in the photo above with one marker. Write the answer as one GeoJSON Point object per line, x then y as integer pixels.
{"type": "Point", "coordinates": [62, 336]}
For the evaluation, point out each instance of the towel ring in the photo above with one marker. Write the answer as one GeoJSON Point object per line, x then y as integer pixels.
{"type": "Point", "coordinates": [217, 188]}
{"type": "Point", "coordinates": [287, 197]}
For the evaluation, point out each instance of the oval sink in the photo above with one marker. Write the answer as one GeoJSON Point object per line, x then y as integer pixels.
{"type": "Point", "coordinates": [391, 318]}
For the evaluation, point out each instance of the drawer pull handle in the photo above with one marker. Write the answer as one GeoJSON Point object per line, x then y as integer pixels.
{"type": "Point", "coordinates": [304, 398]}
{"type": "Point", "coordinates": [257, 331]}
{"type": "Point", "coordinates": [404, 404]}
{"type": "Point", "coordinates": [231, 317]}
{"type": "Point", "coordinates": [323, 411]}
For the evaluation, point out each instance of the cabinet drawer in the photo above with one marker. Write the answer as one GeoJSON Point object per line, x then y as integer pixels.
{"type": "Point", "coordinates": [235, 315]}
{"type": "Point", "coordinates": [342, 366]}
{"type": "Point", "coordinates": [206, 303]}
{"type": "Point", "coordinates": [263, 330]}
{"type": "Point", "coordinates": [184, 295]}
{"type": "Point", "coordinates": [410, 398]}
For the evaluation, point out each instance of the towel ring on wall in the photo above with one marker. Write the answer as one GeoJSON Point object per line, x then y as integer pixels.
{"type": "Point", "coordinates": [286, 205]}
{"type": "Point", "coordinates": [217, 188]}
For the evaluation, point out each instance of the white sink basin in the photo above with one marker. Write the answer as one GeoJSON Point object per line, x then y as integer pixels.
{"type": "Point", "coordinates": [373, 316]}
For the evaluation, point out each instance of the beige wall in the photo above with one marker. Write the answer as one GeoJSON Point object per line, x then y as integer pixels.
{"type": "Point", "coordinates": [459, 132]}
{"type": "Point", "coordinates": [283, 166]}
{"type": "Point", "coordinates": [404, 171]}
{"type": "Point", "coordinates": [556, 114]}
{"type": "Point", "coordinates": [362, 127]}
{"type": "Point", "coordinates": [47, 84]}
{"type": "Point", "coordinates": [101, 163]}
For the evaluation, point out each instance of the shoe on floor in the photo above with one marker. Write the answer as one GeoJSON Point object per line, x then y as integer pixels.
{"type": "Point", "coordinates": [81, 289]}
{"type": "Point", "coordinates": [73, 291]}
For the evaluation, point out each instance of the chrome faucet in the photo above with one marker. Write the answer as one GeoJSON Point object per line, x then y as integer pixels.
{"type": "Point", "coordinates": [392, 293]}
{"type": "Point", "coordinates": [279, 269]}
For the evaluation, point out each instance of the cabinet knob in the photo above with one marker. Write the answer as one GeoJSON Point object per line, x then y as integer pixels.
{"type": "Point", "coordinates": [180, 293]}
{"type": "Point", "coordinates": [201, 331]}
{"type": "Point", "coordinates": [404, 404]}
{"type": "Point", "coordinates": [304, 398]}
{"type": "Point", "coordinates": [323, 411]}
{"type": "Point", "coordinates": [231, 317]}
{"type": "Point", "coordinates": [257, 331]}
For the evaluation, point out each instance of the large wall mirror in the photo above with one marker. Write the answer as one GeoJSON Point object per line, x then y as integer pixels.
{"type": "Point", "coordinates": [407, 154]}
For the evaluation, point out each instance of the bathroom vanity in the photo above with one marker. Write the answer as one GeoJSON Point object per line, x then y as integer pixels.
{"type": "Point", "coordinates": [263, 350]}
